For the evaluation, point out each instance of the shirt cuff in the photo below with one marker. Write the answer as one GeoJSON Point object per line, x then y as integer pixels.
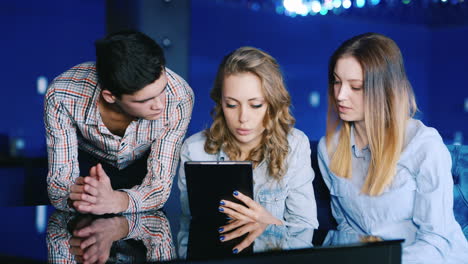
{"type": "Point", "coordinates": [134, 226]}
{"type": "Point", "coordinates": [134, 201]}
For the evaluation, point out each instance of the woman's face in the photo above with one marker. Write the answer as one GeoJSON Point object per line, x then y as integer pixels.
{"type": "Point", "coordinates": [244, 109]}
{"type": "Point", "coordinates": [348, 89]}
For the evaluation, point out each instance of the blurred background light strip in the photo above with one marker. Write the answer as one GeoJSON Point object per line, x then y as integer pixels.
{"type": "Point", "coordinates": [336, 3]}
{"type": "Point", "coordinates": [316, 6]}
{"type": "Point", "coordinates": [41, 84]}
{"type": "Point", "coordinates": [323, 11]}
{"type": "Point", "coordinates": [328, 4]}
{"type": "Point", "coordinates": [314, 99]}
{"type": "Point", "coordinates": [296, 7]}
{"type": "Point", "coordinates": [41, 218]}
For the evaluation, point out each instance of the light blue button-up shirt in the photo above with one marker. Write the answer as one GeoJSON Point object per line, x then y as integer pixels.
{"type": "Point", "coordinates": [417, 206]}
{"type": "Point", "coordinates": [291, 200]}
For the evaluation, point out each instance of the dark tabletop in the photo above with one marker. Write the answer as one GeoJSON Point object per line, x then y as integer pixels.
{"type": "Point", "coordinates": [33, 234]}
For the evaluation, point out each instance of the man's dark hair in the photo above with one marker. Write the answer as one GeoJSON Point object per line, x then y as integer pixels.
{"type": "Point", "coordinates": [127, 61]}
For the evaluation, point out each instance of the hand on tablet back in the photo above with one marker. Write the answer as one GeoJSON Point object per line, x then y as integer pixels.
{"type": "Point", "coordinates": [252, 212]}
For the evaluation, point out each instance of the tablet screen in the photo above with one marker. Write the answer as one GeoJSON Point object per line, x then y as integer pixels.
{"type": "Point", "coordinates": [210, 182]}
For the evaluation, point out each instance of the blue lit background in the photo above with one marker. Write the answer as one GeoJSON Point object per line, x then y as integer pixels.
{"type": "Point", "coordinates": [44, 38]}
{"type": "Point", "coordinates": [41, 39]}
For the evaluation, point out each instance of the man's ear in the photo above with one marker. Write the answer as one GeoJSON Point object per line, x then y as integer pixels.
{"type": "Point", "coordinates": [108, 96]}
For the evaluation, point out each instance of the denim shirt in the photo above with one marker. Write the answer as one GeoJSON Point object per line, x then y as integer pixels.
{"type": "Point", "coordinates": [291, 200]}
{"type": "Point", "coordinates": [417, 206]}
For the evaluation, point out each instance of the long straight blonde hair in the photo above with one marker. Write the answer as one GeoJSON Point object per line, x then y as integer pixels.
{"type": "Point", "coordinates": [388, 104]}
{"type": "Point", "coordinates": [278, 120]}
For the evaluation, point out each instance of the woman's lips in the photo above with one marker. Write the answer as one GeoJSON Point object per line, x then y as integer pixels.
{"type": "Point", "coordinates": [343, 108]}
{"type": "Point", "coordinates": [243, 132]}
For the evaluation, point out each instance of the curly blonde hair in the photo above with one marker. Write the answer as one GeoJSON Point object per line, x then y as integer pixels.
{"type": "Point", "coordinates": [278, 120]}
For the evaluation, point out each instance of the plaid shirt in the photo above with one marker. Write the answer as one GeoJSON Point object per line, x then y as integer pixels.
{"type": "Point", "coordinates": [72, 120]}
{"type": "Point", "coordinates": [152, 228]}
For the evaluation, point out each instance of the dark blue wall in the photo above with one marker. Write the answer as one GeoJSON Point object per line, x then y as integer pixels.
{"type": "Point", "coordinates": [44, 38]}
{"type": "Point", "coordinates": [41, 38]}
{"type": "Point", "coordinates": [448, 87]}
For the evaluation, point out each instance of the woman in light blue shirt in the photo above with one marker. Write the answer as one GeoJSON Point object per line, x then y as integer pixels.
{"type": "Point", "coordinates": [388, 174]}
{"type": "Point", "coordinates": [252, 121]}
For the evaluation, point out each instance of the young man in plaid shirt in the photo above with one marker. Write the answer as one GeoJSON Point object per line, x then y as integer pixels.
{"type": "Point", "coordinates": [119, 121]}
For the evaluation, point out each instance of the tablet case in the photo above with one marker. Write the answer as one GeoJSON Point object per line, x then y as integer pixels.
{"type": "Point", "coordinates": [210, 182]}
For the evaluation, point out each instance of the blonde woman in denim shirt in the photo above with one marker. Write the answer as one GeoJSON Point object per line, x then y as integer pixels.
{"type": "Point", "coordinates": [388, 174]}
{"type": "Point", "coordinates": [252, 121]}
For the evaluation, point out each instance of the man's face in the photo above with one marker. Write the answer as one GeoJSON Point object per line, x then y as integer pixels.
{"type": "Point", "coordinates": [148, 103]}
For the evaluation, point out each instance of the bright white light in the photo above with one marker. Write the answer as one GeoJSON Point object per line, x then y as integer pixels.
{"type": "Point", "coordinates": [291, 5]}
{"type": "Point", "coordinates": [375, 2]}
{"type": "Point", "coordinates": [336, 3]}
{"type": "Point", "coordinates": [347, 4]}
{"type": "Point", "coordinates": [328, 5]}
{"type": "Point", "coordinates": [41, 83]}
{"type": "Point", "coordinates": [302, 10]}
{"type": "Point", "coordinates": [444, 1]}
{"type": "Point", "coordinates": [316, 6]}
{"type": "Point", "coordinates": [360, 3]}
{"type": "Point", "coordinates": [314, 99]}
{"type": "Point", "coordinates": [296, 6]}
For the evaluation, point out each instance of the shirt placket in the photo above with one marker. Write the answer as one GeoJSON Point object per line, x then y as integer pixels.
{"type": "Point", "coordinates": [124, 154]}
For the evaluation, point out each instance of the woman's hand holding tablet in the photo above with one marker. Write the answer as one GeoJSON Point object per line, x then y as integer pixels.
{"type": "Point", "coordinates": [250, 218]}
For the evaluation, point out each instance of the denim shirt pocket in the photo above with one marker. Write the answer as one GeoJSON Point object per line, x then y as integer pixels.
{"type": "Point", "coordinates": [273, 200]}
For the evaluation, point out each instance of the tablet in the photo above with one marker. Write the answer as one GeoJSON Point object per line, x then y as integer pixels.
{"type": "Point", "coordinates": [209, 182]}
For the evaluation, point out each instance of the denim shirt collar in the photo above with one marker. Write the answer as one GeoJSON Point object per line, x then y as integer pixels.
{"type": "Point", "coordinates": [222, 156]}
{"type": "Point", "coordinates": [358, 153]}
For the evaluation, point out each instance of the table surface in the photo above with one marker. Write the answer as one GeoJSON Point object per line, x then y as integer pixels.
{"type": "Point", "coordinates": [153, 236]}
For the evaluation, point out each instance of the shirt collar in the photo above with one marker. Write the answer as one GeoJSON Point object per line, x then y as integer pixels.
{"type": "Point", "coordinates": [222, 156]}
{"type": "Point", "coordinates": [358, 153]}
{"type": "Point", "coordinates": [92, 115]}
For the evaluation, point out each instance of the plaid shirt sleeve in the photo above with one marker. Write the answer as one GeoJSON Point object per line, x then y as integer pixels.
{"type": "Point", "coordinates": [154, 230]}
{"type": "Point", "coordinates": [58, 238]}
{"type": "Point", "coordinates": [62, 149]}
{"type": "Point", "coordinates": [164, 156]}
